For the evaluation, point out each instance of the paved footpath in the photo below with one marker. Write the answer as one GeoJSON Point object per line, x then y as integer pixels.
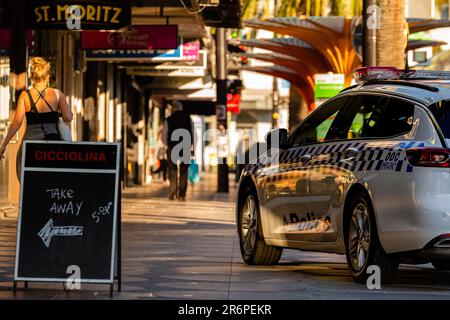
{"type": "Point", "coordinates": [189, 250]}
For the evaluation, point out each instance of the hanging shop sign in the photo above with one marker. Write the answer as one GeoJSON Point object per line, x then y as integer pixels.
{"type": "Point", "coordinates": [136, 37]}
{"type": "Point", "coordinates": [182, 83]}
{"type": "Point", "coordinates": [5, 38]}
{"type": "Point", "coordinates": [191, 50]}
{"type": "Point", "coordinates": [152, 72]}
{"type": "Point", "coordinates": [79, 14]}
{"type": "Point", "coordinates": [172, 68]}
{"type": "Point", "coordinates": [136, 55]}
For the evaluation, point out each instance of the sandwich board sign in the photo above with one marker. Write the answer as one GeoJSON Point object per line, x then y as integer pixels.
{"type": "Point", "coordinates": [69, 212]}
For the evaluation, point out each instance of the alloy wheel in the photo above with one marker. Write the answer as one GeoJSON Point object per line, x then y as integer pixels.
{"type": "Point", "coordinates": [359, 237]}
{"type": "Point", "coordinates": [249, 224]}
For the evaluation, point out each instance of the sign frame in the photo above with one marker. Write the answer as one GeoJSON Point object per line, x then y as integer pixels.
{"type": "Point", "coordinates": [136, 55]}
{"type": "Point", "coordinates": [201, 63]}
{"type": "Point", "coordinates": [115, 241]}
{"type": "Point", "coordinates": [111, 40]}
{"type": "Point", "coordinates": [139, 55]}
{"type": "Point", "coordinates": [48, 14]}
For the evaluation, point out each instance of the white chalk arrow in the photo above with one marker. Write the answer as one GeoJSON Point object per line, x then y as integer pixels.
{"type": "Point", "coordinates": [49, 231]}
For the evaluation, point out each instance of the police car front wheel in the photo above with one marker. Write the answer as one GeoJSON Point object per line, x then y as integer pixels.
{"type": "Point", "coordinates": [363, 246]}
{"type": "Point", "coordinates": [254, 250]}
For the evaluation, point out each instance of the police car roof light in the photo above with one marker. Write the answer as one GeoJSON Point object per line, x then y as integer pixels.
{"type": "Point", "coordinates": [390, 73]}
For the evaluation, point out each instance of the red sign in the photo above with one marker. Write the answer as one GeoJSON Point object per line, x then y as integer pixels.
{"type": "Point", "coordinates": [190, 50]}
{"type": "Point", "coordinates": [151, 37]}
{"type": "Point", "coordinates": [233, 102]}
{"type": "Point", "coordinates": [5, 38]}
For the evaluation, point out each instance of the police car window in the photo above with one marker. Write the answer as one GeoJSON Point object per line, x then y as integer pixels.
{"type": "Point", "coordinates": [366, 117]}
{"type": "Point", "coordinates": [317, 127]}
{"type": "Point", "coordinates": [398, 118]}
{"type": "Point", "coordinates": [377, 117]}
{"type": "Point", "coordinates": [441, 112]}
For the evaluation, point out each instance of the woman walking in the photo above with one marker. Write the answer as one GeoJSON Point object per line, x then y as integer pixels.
{"type": "Point", "coordinates": [40, 106]}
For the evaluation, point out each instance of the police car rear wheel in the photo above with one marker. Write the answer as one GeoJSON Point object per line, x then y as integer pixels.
{"type": "Point", "coordinates": [254, 250]}
{"type": "Point", "coordinates": [363, 246]}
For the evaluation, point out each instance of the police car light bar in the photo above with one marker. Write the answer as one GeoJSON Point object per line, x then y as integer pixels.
{"type": "Point", "coordinates": [391, 73]}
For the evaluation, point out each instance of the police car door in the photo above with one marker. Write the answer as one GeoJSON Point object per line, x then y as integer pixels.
{"type": "Point", "coordinates": [384, 127]}
{"type": "Point", "coordinates": [332, 169]}
{"type": "Point", "coordinates": [299, 222]}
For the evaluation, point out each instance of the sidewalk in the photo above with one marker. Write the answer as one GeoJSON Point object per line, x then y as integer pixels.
{"type": "Point", "coordinates": [189, 250]}
{"type": "Point", "coordinates": [205, 190]}
{"type": "Point", "coordinates": [165, 244]}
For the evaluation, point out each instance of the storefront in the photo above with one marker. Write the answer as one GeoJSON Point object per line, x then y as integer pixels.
{"type": "Point", "coordinates": [4, 118]}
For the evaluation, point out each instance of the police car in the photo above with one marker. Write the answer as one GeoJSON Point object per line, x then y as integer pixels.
{"type": "Point", "coordinates": [367, 174]}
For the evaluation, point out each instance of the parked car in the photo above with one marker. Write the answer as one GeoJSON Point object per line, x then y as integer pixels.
{"type": "Point", "coordinates": [367, 174]}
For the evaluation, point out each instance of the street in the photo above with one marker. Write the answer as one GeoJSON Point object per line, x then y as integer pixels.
{"type": "Point", "coordinates": [176, 250]}
{"type": "Point", "coordinates": [133, 134]}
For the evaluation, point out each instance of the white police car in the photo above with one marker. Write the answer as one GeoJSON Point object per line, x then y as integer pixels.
{"type": "Point", "coordinates": [367, 174]}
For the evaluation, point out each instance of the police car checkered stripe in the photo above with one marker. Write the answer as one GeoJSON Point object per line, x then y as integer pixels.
{"type": "Point", "coordinates": [370, 156]}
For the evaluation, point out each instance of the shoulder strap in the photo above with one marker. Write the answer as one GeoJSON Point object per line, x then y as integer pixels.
{"type": "Point", "coordinates": [41, 96]}
{"type": "Point", "coordinates": [33, 105]}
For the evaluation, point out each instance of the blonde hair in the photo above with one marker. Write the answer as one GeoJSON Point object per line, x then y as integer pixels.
{"type": "Point", "coordinates": [40, 69]}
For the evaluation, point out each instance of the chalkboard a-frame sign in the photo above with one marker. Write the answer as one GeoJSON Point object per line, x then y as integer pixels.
{"type": "Point", "coordinates": [69, 203]}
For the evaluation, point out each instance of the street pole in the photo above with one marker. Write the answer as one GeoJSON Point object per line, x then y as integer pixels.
{"type": "Point", "coordinates": [275, 93]}
{"type": "Point", "coordinates": [221, 109]}
{"type": "Point", "coordinates": [275, 102]}
{"type": "Point", "coordinates": [370, 24]}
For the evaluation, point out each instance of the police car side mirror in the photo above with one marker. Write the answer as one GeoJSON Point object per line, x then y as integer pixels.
{"type": "Point", "coordinates": [277, 138]}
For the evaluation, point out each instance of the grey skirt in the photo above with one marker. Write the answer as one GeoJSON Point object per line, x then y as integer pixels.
{"type": "Point", "coordinates": [45, 131]}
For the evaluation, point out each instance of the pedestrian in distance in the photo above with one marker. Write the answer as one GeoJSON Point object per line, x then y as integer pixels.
{"type": "Point", "coordinates": [40, 106]}
{"type": "Point", "coordinates": [161, 155]}
{"type": "Point", "coordinates": [179, 138]}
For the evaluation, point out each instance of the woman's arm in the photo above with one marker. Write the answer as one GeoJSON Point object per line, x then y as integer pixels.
{"type": "Point", "coordinates": [15, 124]}
{"type": "Point", "coordinates": [65, 109]}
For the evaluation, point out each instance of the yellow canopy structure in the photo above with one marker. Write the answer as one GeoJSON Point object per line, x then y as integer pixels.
{"type": "Point", "coordinates": [316, 45]}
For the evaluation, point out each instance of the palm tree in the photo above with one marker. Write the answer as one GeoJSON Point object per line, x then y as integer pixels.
{"type": "Point", "coordinates": [391, 37]}
{"type": "Point", "coordinates": [295, 8]}
{"type": "Point", "coordinates": [288, 8]}
{"type": "Point", "coordinates": [346, 7]}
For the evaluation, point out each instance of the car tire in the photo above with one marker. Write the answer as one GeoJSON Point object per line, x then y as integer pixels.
{"type": "Point", "coordinates": [363, 248]}
{"type": "Point", "coordinates": [254, 249]}
{"type": "Point", "coordinates": [441, 265]}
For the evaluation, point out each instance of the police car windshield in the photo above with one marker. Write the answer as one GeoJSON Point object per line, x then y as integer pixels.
{"type": "Point", "coordinates": [441, 111]}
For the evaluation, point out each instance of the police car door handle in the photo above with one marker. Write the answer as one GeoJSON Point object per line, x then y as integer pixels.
{"type": "Point", "coordinates": [305, 158]}
{"type": "Point", "coordinates": [350, 153]}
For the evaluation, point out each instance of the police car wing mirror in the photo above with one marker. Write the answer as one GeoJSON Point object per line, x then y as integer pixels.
{"type": "Point", "coordinates": [351, 153]}
{"type": "Point", "coordinates": [277, 138]}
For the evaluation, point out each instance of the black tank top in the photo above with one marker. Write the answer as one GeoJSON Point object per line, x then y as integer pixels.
{"type": "Point", "coordinates": [34, 116]}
